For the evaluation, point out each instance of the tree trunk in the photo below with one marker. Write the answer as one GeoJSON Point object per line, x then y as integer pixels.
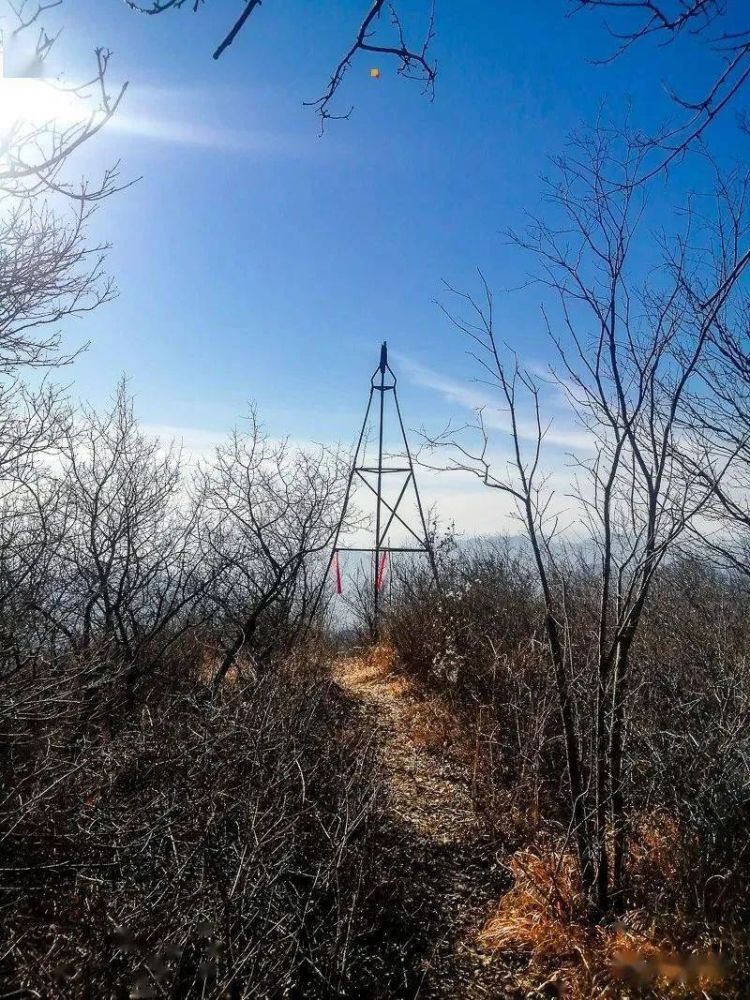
{"type": "Point", "coordinates": [231, 654]}
{"type": "Point", "coordinates": [602, 855]}
{"type": "Point", "coordinates": [616, 778]}
{"type": "Point", "coordinates": [572, 756]}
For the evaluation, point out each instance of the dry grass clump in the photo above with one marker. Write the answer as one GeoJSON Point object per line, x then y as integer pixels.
{"type": "Point", "coordinates": [543, 914]}
{"type": "Point", "coordinates": [366, 666]}
{"type": "Point", "coordinates": [543, 923]}
{"type": "Point", "coordinates": [655, 864]}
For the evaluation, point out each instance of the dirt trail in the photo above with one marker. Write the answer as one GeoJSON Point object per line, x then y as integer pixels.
{"type": "Point", "coordinates": [452, 873]}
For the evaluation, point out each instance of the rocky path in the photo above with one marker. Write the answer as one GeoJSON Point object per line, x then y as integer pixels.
{"type": "Point", "coordinates": [453, 875]}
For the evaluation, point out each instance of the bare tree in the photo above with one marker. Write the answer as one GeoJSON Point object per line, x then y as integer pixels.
{"type": "Point", "coordinates": [126, 572]}
{"type": "Point", "coordinates": [628, 351]}
{"type": "Point", "coordinates": [413, 61]}
{"type": "Point", "coordinates": [30, 526]}
{"type": "Point", "coordinates": [35, 150]}
{"type": "Point", "coordinates": [272, 510]}
{"type": "Point", "coordinates": [717, 432]}
{"type": "Point", "coordinates": [48, 269]}
{"type": "Point", "coordinates": [48, 272]}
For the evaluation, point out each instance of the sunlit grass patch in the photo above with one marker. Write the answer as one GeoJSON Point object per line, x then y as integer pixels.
{"type": "Point", "coordinates": [367, 665]}
{"type": "Point", "coordinates": [543, 923]}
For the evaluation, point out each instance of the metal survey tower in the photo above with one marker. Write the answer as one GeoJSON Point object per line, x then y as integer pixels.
{"type": "Point", "coordinates": [383, 382]}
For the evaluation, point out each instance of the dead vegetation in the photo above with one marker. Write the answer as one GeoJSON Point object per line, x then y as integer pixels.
{"type": "Point", "coordinates": [190, 847]}
{"type": "Point", "coordinates": [682, 931]}
{"type": "Point", "coordinates": [540, 787]}
{"type": "Point", "coordinates": [542, 923]}
{"type": "Point", "coordinates": [535, 937]}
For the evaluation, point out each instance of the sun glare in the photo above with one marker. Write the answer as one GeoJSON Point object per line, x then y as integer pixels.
{"type": "Point", "coordinates": [29, 102]}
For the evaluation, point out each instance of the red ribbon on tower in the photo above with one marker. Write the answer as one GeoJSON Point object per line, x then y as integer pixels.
{"type": "Point", "coordinates": [381, 571]}
{"type": "Point", "coordinates": [337, 566]}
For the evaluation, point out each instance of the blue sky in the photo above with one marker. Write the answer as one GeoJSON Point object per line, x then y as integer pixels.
{"type": "Point", "coordinates": [257, 260]}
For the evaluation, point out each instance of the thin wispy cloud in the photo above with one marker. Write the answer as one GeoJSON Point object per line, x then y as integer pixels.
{"type": "Point", "coordinates": [173, 117]}
{"type": "Point", "coordinates": [197, 444]}
{"type": "Point", "coordinates": [187, 116]}
{"type": "Point", "coordinates": [561, 432]}
{"type": "Point", "coordinates": [186, 132]}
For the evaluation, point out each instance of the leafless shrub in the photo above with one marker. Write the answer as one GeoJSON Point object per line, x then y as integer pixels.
{"type": "Point", "coordinates": [688, 746]}
{"type": "Point", "coordinates": [628, 352]}
{"type": "Point", "coordinates": [206, 848]}
{"type": "Point", "coordinates": [271, 511]}
{"type": "Point", "coordinates": [123, 573]}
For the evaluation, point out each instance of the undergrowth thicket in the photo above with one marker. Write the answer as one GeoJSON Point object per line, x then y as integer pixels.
{"type": "Point", "coordinates": [478, 646]}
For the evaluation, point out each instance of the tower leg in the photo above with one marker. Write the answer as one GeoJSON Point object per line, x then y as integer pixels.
{"type": "Point", "coordinates": [378, 540]}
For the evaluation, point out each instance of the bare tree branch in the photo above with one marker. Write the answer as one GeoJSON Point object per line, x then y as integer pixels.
{"type": "Point", "coordinates": [713, 23]}
{"type": "Point", "coordinates": [413, 62]}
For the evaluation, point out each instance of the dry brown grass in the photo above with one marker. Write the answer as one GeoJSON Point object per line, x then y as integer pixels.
{"type": "Point", "coordinates": [542, 921]}
{"type": "Point", "coordinates": [430, 725]}
{"type": "Point", "coordinates": [209, 665]}
{"type": "Point", "coordinates": [426, 720]}
{"type": "Point", "coordinates": [367, 666]}
{"type": "Point", "coordinates": [653, 853]}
